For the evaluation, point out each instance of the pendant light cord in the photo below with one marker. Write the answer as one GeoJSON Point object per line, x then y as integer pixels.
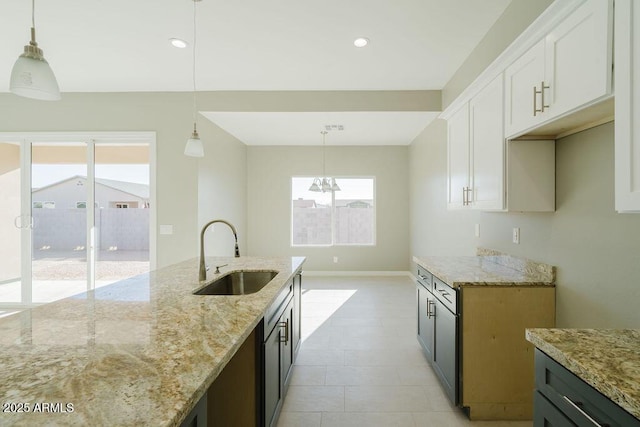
{"type": "Point", "coordinates": [194, 65]}
{"type": "Point", "coordinates": [33, 13]}
{"type": "Point", "coordinates": [324, 154]}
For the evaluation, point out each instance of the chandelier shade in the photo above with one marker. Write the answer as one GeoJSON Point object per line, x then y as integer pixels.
{"type": "Point", "coordinates": [324, 184]}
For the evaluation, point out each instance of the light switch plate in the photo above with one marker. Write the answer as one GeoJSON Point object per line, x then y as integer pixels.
{"type": "Point", "coordinates": [477, 230]}
{"type": "Point", "coordinates": [166, 229]}
{"type": "Point", "coordinates": [516, 235]}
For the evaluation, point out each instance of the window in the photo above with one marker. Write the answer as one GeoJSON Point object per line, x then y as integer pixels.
{"type": "Point", "coordinates": [81, 205]}
{"type": "Point", "coordinates": [44, 205]}
{"type": "Point", "coordinates": [345, 217]}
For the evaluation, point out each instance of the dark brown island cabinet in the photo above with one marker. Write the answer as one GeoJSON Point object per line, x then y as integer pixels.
{"type": "Point", "coordinates": [251, 388]}
{"type": "Point", "coordinates": [563, 399]}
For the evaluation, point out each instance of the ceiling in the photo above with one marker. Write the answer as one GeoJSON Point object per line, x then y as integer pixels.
{"type": "Point", "coordinates": [278, 45]}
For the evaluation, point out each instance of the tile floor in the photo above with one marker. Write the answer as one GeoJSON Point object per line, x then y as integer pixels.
{"type": "Point", "coordinates": [360, 363]}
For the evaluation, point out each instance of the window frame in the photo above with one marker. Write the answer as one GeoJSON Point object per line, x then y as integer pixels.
{"type": "Point", "coordinates": [333, 214]}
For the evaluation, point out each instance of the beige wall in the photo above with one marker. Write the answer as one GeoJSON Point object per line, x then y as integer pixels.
{"type": "Point", "coordinates": [170, 116]}
{"type": "Point", "coordinates": [516, 17]}
{"type": "Point", "coordinates": [269, 204]}
{"type": "Point", "coordinates": [222, 192]}
{"type": "Point", "coordinates": [596, 251]}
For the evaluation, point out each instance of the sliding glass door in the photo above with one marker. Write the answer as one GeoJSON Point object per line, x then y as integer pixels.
{"type": "Point", "coordinates": [75, 214]}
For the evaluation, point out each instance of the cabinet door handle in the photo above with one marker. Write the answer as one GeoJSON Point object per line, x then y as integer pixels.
{"type": "Point", "coordinates": [466, 200]}
{"type": "Point", "coordinates": [579, 409]}
{"type": "Point", "coordinates": [285, 325]}
{"type": "Point", "coordinates": [430, 305]}
{"type": "Point", "coordinates": [542, 85]}
{"type": "Point", "coordinates": [541, 93]}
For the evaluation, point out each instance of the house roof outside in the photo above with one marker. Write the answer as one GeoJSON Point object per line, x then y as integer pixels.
{"type": "Point", "coordinates": [133, 188]}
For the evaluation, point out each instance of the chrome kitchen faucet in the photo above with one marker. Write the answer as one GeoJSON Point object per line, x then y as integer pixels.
{"type": "Point", "coordinates": [202, 274]}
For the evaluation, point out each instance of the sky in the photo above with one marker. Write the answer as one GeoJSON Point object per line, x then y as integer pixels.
{"type": "Point", "coordinates": [350, 188]}
{"type": "Point", "coordinates": [45, 174]}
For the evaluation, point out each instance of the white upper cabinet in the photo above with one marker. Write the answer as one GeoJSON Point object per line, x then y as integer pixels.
{"type": "Point", "coordinates": [579, 57]}
{"type": "Point", "coordinates": [522, 80]}
{"type": "Point", "coordinates": [487, 147]}
{"type": "Point", "coordinates": [458, 180]}
{"type": "Point", "coordinates": [627, 104]}
{"type": "Point", "coordinates": [569, 69]}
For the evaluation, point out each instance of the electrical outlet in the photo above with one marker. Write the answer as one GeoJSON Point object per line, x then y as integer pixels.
{"type": "Point", "coordinates": [477, 230]}
{"type": "Point", "coordinates": [335, 259]}
{"type": "Point", "coordinates": [516, 235]}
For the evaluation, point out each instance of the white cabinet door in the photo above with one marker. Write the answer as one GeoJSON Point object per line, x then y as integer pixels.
{"type": "Point", "coordinates": [567, 70]}
{"type": "Point", "coordinates": [627, 104]}
{"type": "Point", "coordinates": [487, 147]}
{"type": "Point", "coordinates": [458, 158]}
{"type": "Point", "coordinates": [522, 78]}
{"type": "Point", "coordinates": [578, 58]}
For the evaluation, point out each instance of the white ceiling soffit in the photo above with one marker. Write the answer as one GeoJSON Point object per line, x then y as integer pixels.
{"type": "Point", "coordinates": [122, 45]}
{"type": "Point", "coordinates": [296, 128]}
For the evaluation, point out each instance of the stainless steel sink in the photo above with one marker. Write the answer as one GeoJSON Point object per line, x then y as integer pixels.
{"type": "Point", "coordinates": [238, 283]}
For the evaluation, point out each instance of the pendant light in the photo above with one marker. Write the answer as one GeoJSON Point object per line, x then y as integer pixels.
{"type": "Point", "coordinates": [31, 75]}
{"type": "Point", "coordinates": [194, 147]}
{"type": "Point", "coordinates": [324, 184]}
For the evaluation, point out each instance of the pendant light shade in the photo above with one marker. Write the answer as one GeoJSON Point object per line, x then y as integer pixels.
{"type": "Point", "coordinates": [194, 147]}
{"type": "Point", "coordinates": [31, 75]}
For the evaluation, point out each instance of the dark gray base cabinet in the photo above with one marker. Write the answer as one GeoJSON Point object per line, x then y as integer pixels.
{"type": "Point", "coordinates": [563, 399]}
{"type": "Point", "coordinates": [281, 339]}
{"type": "Point", "coordinates": [438, 329]}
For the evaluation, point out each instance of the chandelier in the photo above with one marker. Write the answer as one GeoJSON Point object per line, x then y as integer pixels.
{"type": "Point", "coordinates": [324, 184]}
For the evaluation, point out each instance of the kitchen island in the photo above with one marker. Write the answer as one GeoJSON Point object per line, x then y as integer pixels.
{"type": "Point", "coordinates": [142, 351]}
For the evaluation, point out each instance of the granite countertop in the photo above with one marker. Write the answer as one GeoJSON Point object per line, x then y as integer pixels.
{"type": "Point", "coordinates": [141, 351]}
{"type": "Point", "coordinates": [488, 268]}
{"type": "Point", "coordinates": [607, 359]}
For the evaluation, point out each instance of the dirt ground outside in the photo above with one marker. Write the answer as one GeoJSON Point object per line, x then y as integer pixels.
{"type": "Point", "coordinates": [72, 265]}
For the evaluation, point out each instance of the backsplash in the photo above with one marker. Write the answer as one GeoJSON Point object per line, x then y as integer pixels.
{"type": "Point", "coordinates": [548, 272]}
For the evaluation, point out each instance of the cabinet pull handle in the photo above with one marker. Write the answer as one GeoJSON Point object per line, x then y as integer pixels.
{"type": "Point", "coordinates": [542, 85]}
{"type": "Point", "coordinates": [541, 93]}
{"type": "Point", "coordinates": [430, 305]}
{"type": "Point", "coordinates": [285, 325]}
{"type": "Point", "coordinates": [466, 201]}
{"type": "Point", "coordinates": [579, 409]}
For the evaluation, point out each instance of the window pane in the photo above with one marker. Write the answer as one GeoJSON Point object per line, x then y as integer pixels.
{"type": "Point", "coordinates": [343, 217]}
{"type": "Point", "coordinates": [354, 213]}
{"type": "Point", "coordinates": [311, 214]}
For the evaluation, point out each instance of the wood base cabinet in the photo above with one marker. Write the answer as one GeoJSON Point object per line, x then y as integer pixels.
{"type": "Point", "coordinates": [496, 361]}
{"type": "Point", "coordinates": [474, 339]}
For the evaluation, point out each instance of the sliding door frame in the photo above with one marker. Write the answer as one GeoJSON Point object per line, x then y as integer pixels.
{"type": "Point", "coordinates": [91, 139]}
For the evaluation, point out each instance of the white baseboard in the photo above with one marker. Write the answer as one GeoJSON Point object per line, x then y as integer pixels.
{"type": "Point", "coordinates": [339, 273]}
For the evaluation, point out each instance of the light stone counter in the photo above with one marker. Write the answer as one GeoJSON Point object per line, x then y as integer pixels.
{"type": "Point", "coordinates": [607, 359]}
{"type": "Point", "coordinates": [142, 351]}
{"type": "Point", "coordinates": [489, 268]}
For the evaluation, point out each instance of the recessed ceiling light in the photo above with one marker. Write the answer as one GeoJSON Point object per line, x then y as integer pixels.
{"type": "Point", "coordinates": [361, 42]}
{"type": "Point", "coordinates": [179, 43]}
